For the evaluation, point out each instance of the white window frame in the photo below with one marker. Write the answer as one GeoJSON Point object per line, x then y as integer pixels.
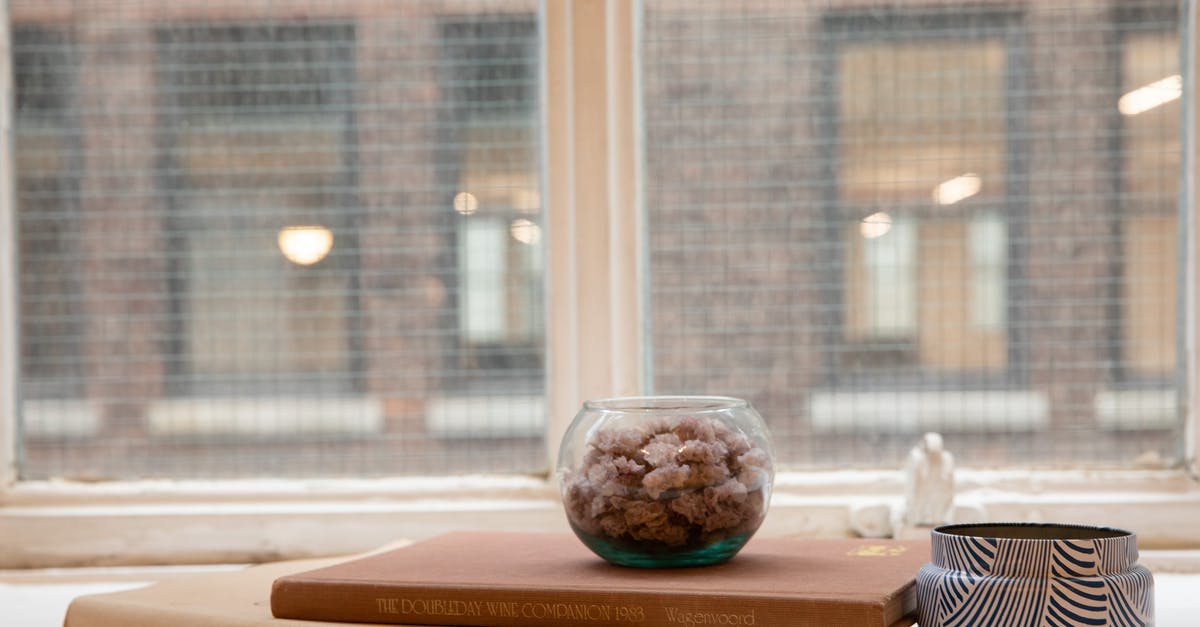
{"type": "Point", "coordinates": [595, 309]}
{"type": "Point", "coordinates": [9, 402]}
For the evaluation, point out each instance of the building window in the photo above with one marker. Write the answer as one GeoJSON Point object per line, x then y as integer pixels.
{"type": "Point", "coordinates": [1150, 140]}
{"type": "Point", "coordinates": [47, 153]}
{"type": "Point", "coordinates": [257, 121]}
{"type": "Point", "coordinates": [876, 222]}
{"type": "Point", "coordinates": [492, 121]}
{"type": "Point", "coordinates": [1143, 395]}
{"type": "Point", "coordinates": [922, 165]}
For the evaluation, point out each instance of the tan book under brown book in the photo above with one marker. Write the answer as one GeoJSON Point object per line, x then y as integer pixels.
{"type": "Point", "coordinates": [239, 598]}
{"type": "Point", "coordinates": [521, 579]}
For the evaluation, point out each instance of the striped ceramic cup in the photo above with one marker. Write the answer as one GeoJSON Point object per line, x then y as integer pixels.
{"type": "Point", "coordinates": [1017, 574]}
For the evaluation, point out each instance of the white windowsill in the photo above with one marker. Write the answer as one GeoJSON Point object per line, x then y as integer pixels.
{"type": "Point", "coordinates": [59, 524]}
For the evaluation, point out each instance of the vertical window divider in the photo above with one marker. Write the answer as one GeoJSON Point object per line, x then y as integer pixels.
{"type": "Point", "coordinates": [594, 296]}
{"type": "Point", "coordinates": [1191, 236]}
{"type": "Point", "coordinates": [9, 349]}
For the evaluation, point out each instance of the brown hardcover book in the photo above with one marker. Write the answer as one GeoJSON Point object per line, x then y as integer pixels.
{"type": "Point", "coordinates": [519, 579]}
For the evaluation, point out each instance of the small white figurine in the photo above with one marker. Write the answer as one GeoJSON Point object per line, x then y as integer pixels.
{"type": "Point", "coordinates": [929, 482]}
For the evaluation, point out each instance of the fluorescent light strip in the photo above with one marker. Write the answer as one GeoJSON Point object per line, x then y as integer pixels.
{"type": "Point", "coordinates": [1150, 96]}
{"type": "Point", "coordinates": [957, 189]}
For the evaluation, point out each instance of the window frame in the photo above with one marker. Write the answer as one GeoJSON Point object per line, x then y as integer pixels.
{"type": "Point", "coordinates": [590, 148]}
{"type": "Point", "coordinates": [9, 403]}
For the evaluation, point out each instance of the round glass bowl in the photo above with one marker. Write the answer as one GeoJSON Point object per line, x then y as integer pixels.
{"type": "Point", "coordinates": [666, 481]}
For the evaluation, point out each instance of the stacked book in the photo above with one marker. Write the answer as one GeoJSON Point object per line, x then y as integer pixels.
{"type": "Point", "coordinates": [502, 579]}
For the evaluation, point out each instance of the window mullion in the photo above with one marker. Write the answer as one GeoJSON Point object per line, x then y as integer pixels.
{"type": "Point", "coordinates": [1191, 222]}
{"type": "Point", "coordinates": [9, 350]}
{"type": "Point", "coordinates": [594, 345]}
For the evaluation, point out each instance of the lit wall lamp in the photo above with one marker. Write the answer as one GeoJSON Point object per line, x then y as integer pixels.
{"type": "Point", "coordinates": [875, 225]}
{"type": "Point", "coordinates": [525, 231]}
{"type": "Point", "coordinates": [466, 203]}
{"type": "Point", "coordinates": [305, 245]}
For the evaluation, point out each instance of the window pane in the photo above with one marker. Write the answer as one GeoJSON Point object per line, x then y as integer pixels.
{"type": "Point", "coordinates": [247, 247]}
{"type": "Point", "coordinates": [885, 218]}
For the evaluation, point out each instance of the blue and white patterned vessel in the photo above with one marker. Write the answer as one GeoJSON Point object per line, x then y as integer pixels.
{"type": "Point", "coordinates": [1018, 574]}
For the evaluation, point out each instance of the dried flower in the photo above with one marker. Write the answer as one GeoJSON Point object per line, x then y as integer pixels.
{"type": "Point", "coordinates": [676, 481]}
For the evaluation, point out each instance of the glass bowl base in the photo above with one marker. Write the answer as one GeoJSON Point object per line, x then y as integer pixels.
{"type": "Point", "coordinates": [658, 555]}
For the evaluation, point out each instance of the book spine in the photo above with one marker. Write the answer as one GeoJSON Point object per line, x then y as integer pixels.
{"type": "Point", "coordinates": [516, 608]}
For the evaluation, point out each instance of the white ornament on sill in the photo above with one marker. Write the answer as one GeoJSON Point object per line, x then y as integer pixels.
{"type": "Point", "coordinates": [872, 520]}
{"type": "Point", "coordinates": [929, 483]}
